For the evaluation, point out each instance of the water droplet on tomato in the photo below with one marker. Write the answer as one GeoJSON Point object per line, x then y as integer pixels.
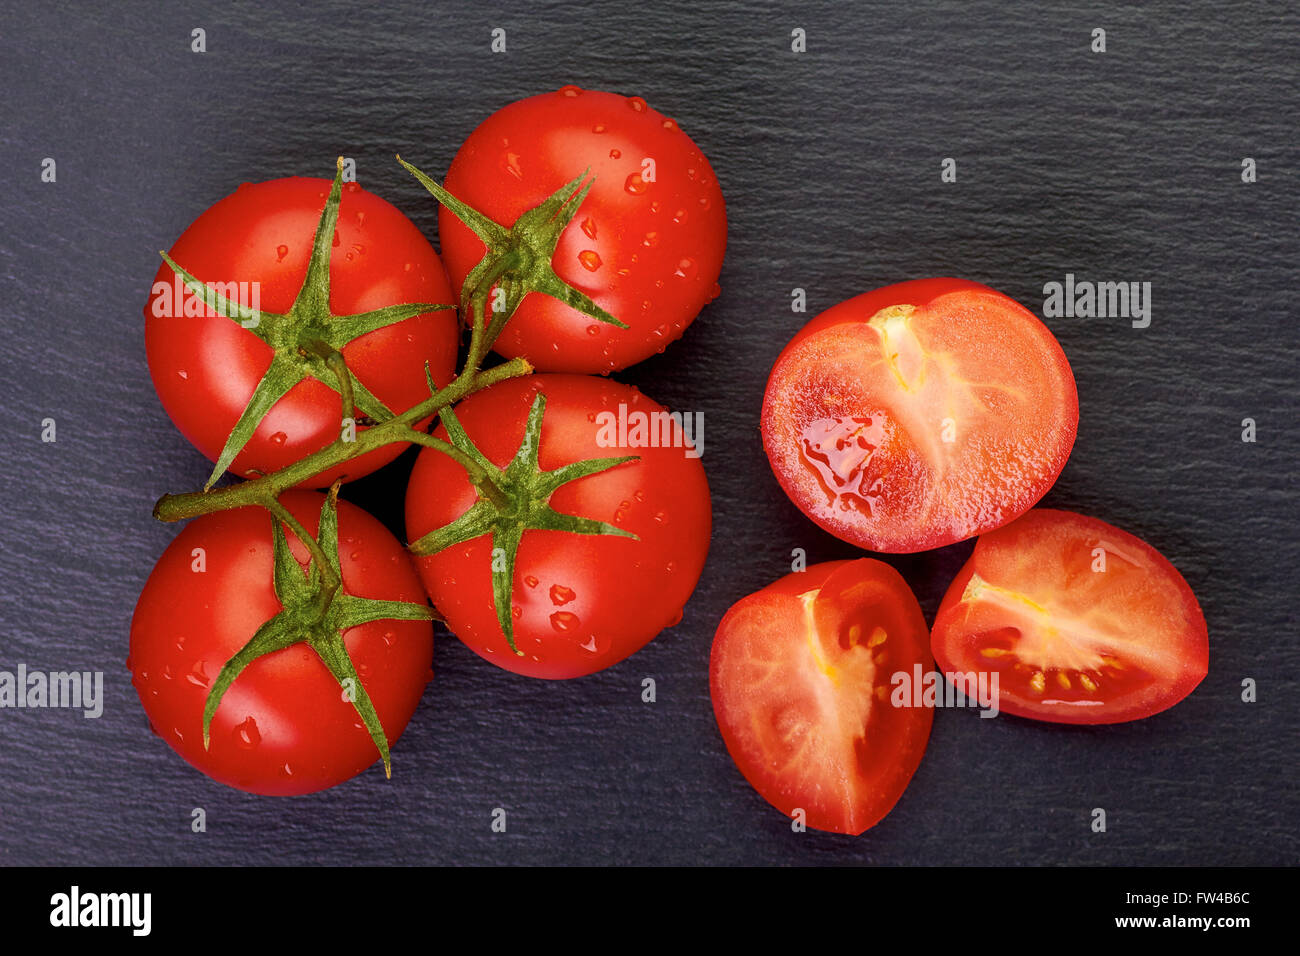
{"type": "Point", "coordinates": [655, 206]}
{"type": "Point", "coordinates": [279, 438]}
{"type": "Point", "coordinates": [286, 770]}
{"type": "Point", "coordinates": [336, 240]}
{"type": "Point", "coordinates": [389, 638]}
{"type": "Point", "coordinates": [670, 124]}
{"type": "Point", "coordinates": [598, 128]}
{"type": "Point", "coordinates": [516, 612]}
{"type": "Point", "coordinates": [510, 163]}
{"type": "Point", "coordinates": [593, 330]}
{"type": "Point", "coordinates": [361, 219]}
{"type": "Point", "coordinates": [615, 154]}
{"type": "Point", "coordinates": [570, 90]}
{"type": "Point", "coordinates": [589, 259]}
{"type": "Point", "coordinates": [530, 581]}
{"type": "Point", "coordinates": [589, 227]}
{"type": "Point", "coordinates": [562, 595]}
{"type": "Point", "coordinates": [184, 375]}
{"type": "Point", "coordinates": [838, 452]}
{"type": "Point", "coordinates": [660, 517]}
{"type": "Point", "coordinates": [677, 618]}
{"type": "Point", "coordinates": [639, 495]}
{"type": "Point", "coordinates": [167, 672]}
{"type": "Point", "coordinates": [565, 621]}
{"type": "Point", "coordinates": [635, 184]}
{"type": "Point", "coordinates": [280, 252]}
{"type": "Point", "coordinates": [636, 103]}
{"type": "Point", "coordinates": [679, 216]}
{"type": "Point", "coordinates": [651, 240]}
{"type": "Point", "coordinates": [197, 676]}
{"type": "Point", "coordinates": [246, 734]}
{"type": "Point", "coordinates": [685, 269]}
{"type": "Point", "coordinates": [406, 267]}
{"type": "Point", "coordinates": [352, 187]}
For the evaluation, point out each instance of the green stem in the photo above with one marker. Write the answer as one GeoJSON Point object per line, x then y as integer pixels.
{"type": "Point", "coordinates": [266, 488]}
{"type": "Point", "coordinates": [476, 473]}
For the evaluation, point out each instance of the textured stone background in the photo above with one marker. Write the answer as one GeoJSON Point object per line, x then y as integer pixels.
{"type": "Point", "coordinates": [1122, 166]}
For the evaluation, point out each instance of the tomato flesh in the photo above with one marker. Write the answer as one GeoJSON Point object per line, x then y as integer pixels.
{"type": "Point", "coordinates": [800, 676]}
{"type": "Point", "coordinates": [1082, 622]}
{"type": "Point", "coordinates": [919, 414]}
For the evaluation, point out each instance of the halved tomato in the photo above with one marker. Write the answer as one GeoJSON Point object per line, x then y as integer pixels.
{"type": "Point", "coordinates": [801, 683]}
{"type": "Point", "coordinates": [1082, 622]}
{"type": "Point", "coordinates": [919, 414]}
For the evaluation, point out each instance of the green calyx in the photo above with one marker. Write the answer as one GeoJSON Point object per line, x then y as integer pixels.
{"type": "Point", "coordinates": [317, 612]}
{"type": "Point", "coordinates": [518, 257]}
{"type": "Point", "coordinates": [512, 501]}
{"type": "Point", "coordinates": [307, 341]}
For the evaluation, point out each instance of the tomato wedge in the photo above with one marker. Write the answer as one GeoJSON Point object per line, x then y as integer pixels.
{"type": "Point", "coordinates": [1082, 622]}
{"type": "Point", "coordinates": [800, 679]}
{"type": "Point", "coordinates": [919, 414]}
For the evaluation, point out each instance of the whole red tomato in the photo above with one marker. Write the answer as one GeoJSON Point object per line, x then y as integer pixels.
{"type": "Point", "coordinates": [919, 414]}
{"type": "Point", "coordinates": [206, 367]}
{"type": "Point", "coordinates": [646, 244]}
{"type": "Point", "coordinates": [580, 602]}
{"type": "Point", "coordinates": [283, 726]}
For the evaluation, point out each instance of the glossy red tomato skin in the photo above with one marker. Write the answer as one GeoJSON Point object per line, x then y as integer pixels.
{"type": "Point", "coordinates": [283, 727]}
{"type": "Point", "coordinates": [205, 368]}
{"type": "Point", "coordinates": [581, 602]}
{"type": "Point", "coordinates": [759, 683]}
{"type": "Point", "coordinates": [649, 253]}
{"type": "Point", "coordinates": [1049, 556]}
{"type": "Point", "coordinates": [920, 506]}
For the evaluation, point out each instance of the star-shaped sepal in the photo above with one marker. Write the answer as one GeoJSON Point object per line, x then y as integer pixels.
{"type": "Point", "coordinates": [317, 612]}
{"type": "Point", "coordinates": [512, 501]}
{"type": "Point", "coordinates": [518, 257]}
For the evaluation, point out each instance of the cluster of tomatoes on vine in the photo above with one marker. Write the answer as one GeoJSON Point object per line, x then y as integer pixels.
{"type": "Point", "coordinates": [303, 332]}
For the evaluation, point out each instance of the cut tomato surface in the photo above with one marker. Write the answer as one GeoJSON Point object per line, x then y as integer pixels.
{"type": "Point", "coordinates": [919, 414]}
{"type": "Point", "coordinates": [1083, 622]}
{"type": "Point", "coordinates": [800, 678]}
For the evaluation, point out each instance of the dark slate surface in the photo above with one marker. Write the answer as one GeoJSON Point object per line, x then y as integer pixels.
{"type": "Point", "coordinates": [1122, 166]}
